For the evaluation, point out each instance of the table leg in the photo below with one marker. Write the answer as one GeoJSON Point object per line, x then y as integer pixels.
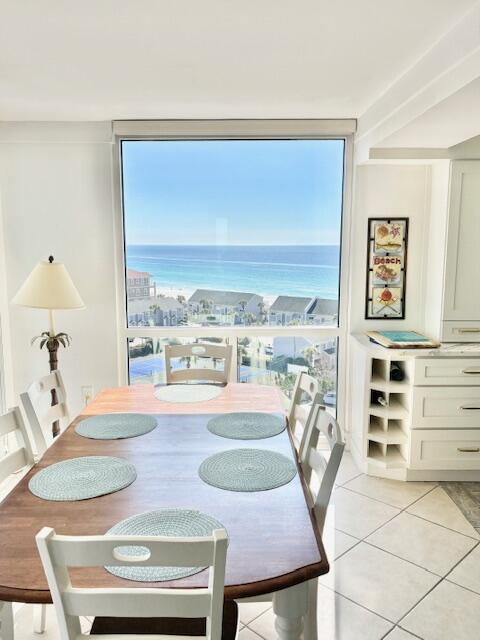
{"type": "Point", "coordinates": [310, 626]}
{"type": "Point", "coordinates": [289, 606]}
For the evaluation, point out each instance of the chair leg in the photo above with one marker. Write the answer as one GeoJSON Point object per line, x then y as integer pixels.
{"type": "Point", "coordinates": [39, 617]}
{"type": "Point", "coordinates": [310, 627]}
{"type": "Point", "coordinates": [6, 621]}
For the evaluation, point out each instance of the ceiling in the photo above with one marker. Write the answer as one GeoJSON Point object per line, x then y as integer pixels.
{"type": "Point", "coordinates": [452, 120]}
{"type": "Point", "coordinates": [132, 59]}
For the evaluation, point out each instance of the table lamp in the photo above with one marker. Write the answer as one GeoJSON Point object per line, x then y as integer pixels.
{"type": "Point", "coordinates": [49, 286]}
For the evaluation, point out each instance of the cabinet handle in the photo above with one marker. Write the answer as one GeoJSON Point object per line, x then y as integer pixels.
{"type": "Point", "coordinates": [472, 330]}
{"type": "Point", "coordinates": [469, 449]}
{"type": "Point", "coordinates": [473, 371]}
{"type": "Point", "coordinates": [466, 407]}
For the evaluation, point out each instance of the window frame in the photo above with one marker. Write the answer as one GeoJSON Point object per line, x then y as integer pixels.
{"type": "Point", "coordinates": [236, 130]}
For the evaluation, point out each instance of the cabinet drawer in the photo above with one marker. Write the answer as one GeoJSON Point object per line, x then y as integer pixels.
{"type": "Point", "coordinates": [446, 407]}
{"type": "Point", "coordinates": [447, 371]}
{"type": "Point", "coordinates": [447, 449]}
{"type": "Point", "coordinates": [459, 331]}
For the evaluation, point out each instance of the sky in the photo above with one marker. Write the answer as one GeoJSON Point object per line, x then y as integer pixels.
{"type": "Point", "coordinates": [233, 191]}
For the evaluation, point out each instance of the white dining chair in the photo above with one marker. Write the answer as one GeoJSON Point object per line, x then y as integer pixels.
{"type": "Point", "coordinates": [14, 464]}
{"type": "Point", "coordinates": [17, 448]}
{"type": "Point", "coordinates": [135, 610]}
{"type": "Point", "coordinates": [319, 456]}
{"type": "Point", "coordinates": [197, 374]}
{"type": "Point", "coordinates": [36, 402]}
{"type": "Point", "coordinates": [306, 388]}
{"type": "Point", "coordinates": [6, 621]}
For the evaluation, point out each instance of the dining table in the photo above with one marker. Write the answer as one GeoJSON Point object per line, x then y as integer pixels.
{"type": "Point", "coordinates": [274, 543]}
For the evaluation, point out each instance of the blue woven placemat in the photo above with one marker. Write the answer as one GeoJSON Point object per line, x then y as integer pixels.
{"type": "Point", "coordinates": [187, 392]}
{"type": "Point", "coordinates": [82, 478]}
{"type": "Point", "coordinates": [165, 522]}
{"type": "Point", "coordinates": [247, 470]}
{"type": "Point", "coordinates": [110, 426]}
{"type": "Point", "coordinates": [246, 425]}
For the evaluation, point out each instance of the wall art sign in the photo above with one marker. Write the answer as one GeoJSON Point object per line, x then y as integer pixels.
{"type": "Point", "coordinates": [386, 268]}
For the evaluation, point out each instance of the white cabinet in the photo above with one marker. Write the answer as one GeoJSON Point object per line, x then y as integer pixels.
{"type": "Point", "coordinates": [446, 407]}
{"type": "Point", "coordinates": [461, 303]}
{"type": "Point", "coordinates": [447, 371]}
{"type": "Point", "coordinates": [424, 427]}
{"type": "Point", "coordinates": [446, 449]}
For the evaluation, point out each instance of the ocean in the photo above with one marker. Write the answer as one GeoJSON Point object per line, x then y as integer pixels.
{"type": "Point", "coordinates": [268, 270]}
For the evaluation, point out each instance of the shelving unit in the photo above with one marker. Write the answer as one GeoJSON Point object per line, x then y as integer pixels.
{"type": "Point", "coordinates": [419, 433]}
{"type": "Point", "coordinates": [387, 433]}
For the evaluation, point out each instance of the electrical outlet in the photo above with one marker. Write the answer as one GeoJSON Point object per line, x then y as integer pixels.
{"type": "Point", "coordinates": [87, 394]}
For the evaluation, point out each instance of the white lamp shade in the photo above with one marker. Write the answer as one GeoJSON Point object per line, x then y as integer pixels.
{"type": "Point", "coordinates": [49, 286]}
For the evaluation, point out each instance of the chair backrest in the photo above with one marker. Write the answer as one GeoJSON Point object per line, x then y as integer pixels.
{"type": "Point", "coordinates": [36, 401]}
{"type": "Point", "coordinates": [299, 412]}
{"type": "Point", "coordinates": [19, 452]}
{"type": "Point", "coordinates": [320, 465]}
{"type": "Point", "coordinates": [58, 553]}
{"type": "Point", "coordinates": [198, 352]}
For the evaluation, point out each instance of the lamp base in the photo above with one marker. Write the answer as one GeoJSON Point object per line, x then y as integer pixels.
{"type": "Point", "coordinates": [53, 361]}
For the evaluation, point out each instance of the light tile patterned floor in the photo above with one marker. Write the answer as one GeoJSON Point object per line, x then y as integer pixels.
{"type": "Point", "coordinates": [405, 565]}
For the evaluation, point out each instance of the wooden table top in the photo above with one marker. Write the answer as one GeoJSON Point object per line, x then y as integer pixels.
{"type": "Point", "coordinates": [273, 543]}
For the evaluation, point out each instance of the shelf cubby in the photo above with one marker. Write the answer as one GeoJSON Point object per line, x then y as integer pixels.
{"type": "Point", "coordinates": [395, 410]}
{"type": "Point", "coordinates": [379, 370]}
{"type": "Point", "coordinates": [386, 455]}
{"type": "Point", "coordinates": [387, 431]}
{"type": "Point", "coordinates": [402, 365]}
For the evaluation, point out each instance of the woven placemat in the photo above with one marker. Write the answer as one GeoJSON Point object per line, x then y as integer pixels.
{"type": "Point", "coordinates": [246, 425]}
{"type": "Point", "coordinates": [165, 522]}
{"type": "Point", "coordinates": [82, 478]}
{"type": "Point", "coordinates": [111, 426]}
{"type": "Point", "coordinates": [187, 392]}
{"type": "Point", "coordinates": [247, 470]}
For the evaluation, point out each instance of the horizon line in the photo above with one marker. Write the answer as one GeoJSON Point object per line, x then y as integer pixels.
{"type": "Point", "coordinates": [208, 244]}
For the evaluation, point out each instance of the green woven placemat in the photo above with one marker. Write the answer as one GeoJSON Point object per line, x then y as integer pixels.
{"type": "Point", "coordinates": [246, 425]}
{"type": "Point", "coordinates": [187, 392]}
{"type": "Point", "coordinates": [82, 478]}
{"type": "Point", "coordinates": [110, 426]}
{"type": "Point", "coordinates": [165, 522]}
{"type": "Point", "coordinates": [247, 470]}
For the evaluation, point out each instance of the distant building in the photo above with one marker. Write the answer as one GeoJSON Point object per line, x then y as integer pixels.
{"type": "Point", "coordinates": [139, 285]}
{"type": "Point", "coordinates": [330, 353]}
{"type": "Point", "coordinates": [287, 310]}
{"type": "Point", "coordinates": [325, 358]}
{"type": "Point", "coordinates": [323, 311]}
{"type": "Point", "coordinates": [290, 346]}
{"type": "Point", "coordinates": [224, 303]}
{"type": "Point", "coordinates": [159, 312]}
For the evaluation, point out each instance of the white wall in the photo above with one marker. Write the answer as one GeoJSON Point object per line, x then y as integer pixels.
{"type": "Point", "coordinates": [56, 198]}
{"type": "Point", "coordinates": [399, 191]}
{"type": "Point", "coordinates": [6, 382]}
{"type": "Point", "coordinates": [437, 234]}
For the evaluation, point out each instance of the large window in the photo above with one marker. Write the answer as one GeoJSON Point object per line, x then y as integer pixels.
{"type": "Point", "coordinates": [235, 240]}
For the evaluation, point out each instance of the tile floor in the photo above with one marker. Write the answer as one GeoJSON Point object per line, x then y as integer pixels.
{"type": "Point", "coordinates": [405, 564]}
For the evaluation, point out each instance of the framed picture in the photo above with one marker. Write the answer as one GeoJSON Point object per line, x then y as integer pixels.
{"type": "Point", "coordinates": [386, 268]}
